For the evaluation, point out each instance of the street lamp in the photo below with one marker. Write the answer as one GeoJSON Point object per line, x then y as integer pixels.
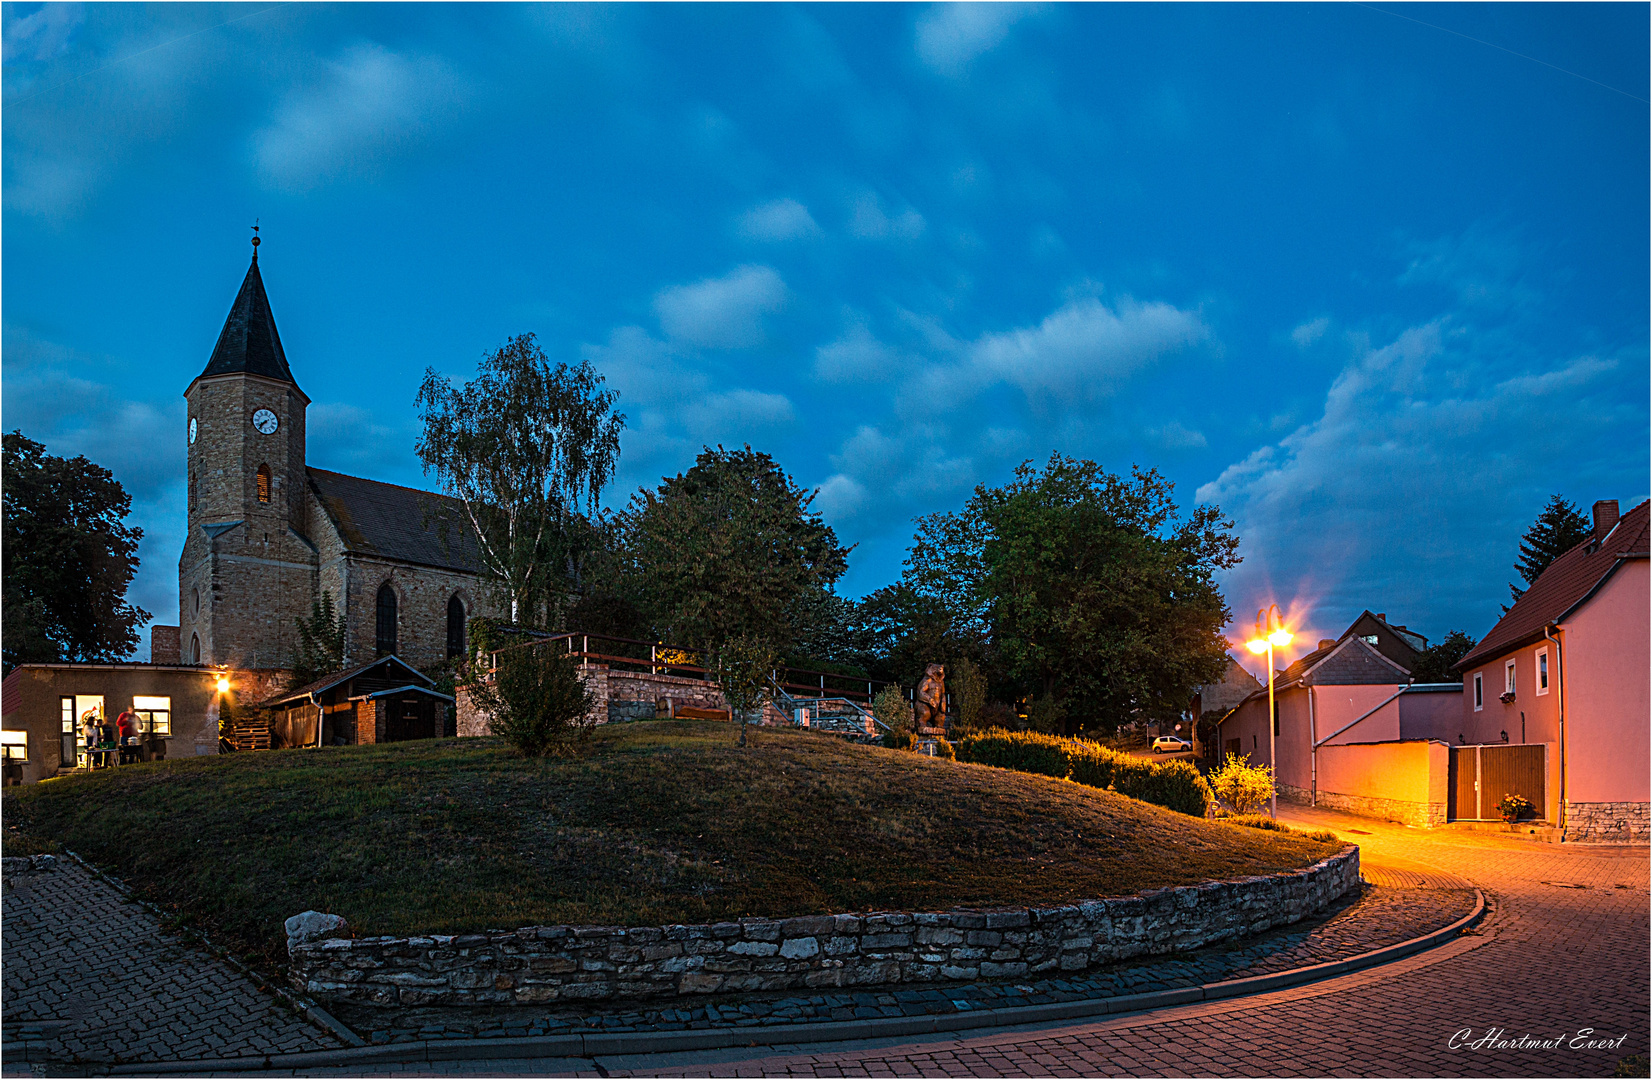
{"type": "Point", "coordinates": [223, 682]}
{"type": "Point", "coordinates": [1270, 631]}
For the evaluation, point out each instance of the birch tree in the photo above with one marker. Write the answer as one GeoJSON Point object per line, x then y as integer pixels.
{"type": "Point", "coordinates": [525, 449]}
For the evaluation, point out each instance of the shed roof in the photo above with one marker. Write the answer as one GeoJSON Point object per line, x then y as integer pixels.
{"type": "Point", "coordinates": [1567, 582]}
{"type": "Point", "coordinates": [327, 682]}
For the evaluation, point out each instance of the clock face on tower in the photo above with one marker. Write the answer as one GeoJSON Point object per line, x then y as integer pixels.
{"type": "Point", "coordinates": [265, 421]}
{"type": "Point", "coordinates": [192, 431]}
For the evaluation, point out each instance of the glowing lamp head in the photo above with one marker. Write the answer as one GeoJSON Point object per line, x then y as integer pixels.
{"type": "Point", "coordinates": [1280, 637]}
{"type": "Point", "coordinates": [1259, 646]}
{"type": "Point", "coordinates": [223, 684]}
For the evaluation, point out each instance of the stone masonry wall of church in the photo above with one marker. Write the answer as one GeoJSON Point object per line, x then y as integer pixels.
{"type": "Point", "coordinates": [256, 579]}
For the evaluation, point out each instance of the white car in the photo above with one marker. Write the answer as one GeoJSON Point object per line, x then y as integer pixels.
{"type": "Point", "coordinates": [1169, 744]}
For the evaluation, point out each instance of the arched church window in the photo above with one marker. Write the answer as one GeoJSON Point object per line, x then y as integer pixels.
{"type": "Point", "coordinates": [384, 638]}
{"type": "Point", "coordinates": [263, 483]}
{"type": "Point", "coordinates": [195, 648]}
{"type": "Point", "coordinates": [195, 594]}
{"type": "Point", "coordinates": [455, 626]}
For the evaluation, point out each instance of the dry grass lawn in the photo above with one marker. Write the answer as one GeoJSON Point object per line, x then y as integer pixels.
{"type": "Point", "coordinates": [653, 823]}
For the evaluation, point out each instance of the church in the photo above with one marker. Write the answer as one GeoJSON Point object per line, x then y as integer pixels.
{"type": "Point", "coordinates": [269, 533]}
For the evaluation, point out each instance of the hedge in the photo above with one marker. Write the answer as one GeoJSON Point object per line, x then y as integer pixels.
{"type": "Point", "coordinates": [1175, 785]}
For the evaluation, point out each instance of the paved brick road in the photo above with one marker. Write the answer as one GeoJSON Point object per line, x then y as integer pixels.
{"type": "Point", "coordinates": [90, 976]}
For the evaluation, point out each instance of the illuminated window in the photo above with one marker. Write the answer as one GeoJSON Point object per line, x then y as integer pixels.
{"type": "Point", "coordinates": [154, 715]}
{"type": "Point", "coordinates": [1542, 672]}
{"type": "Point", "coordinates": [1370, 639]}
{"type": "Point", "coordinates": [263, 483]}
{"type": "Point", "coordinates": [66, 706]}
{"type": "Point", "coordinates": [14, 746]}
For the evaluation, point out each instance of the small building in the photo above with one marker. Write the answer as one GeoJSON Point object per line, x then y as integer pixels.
{"type": "Point", "coordinates": [44, 709]}
{"type": "Point", "coordinates": [383, 700]}
{"type": "Point", "coordinates": [1404, 647]}
{"type": "Point", "coordinates": [1566, 668]}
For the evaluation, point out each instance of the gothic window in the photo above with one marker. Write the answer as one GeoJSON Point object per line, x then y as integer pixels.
{"type": "Point", "coordinates": [455, 626]}
{"type": "Point", "coordinates": [195, 648]}
{"type": "Point", "coordinates": [384, 638]}
{"type": "Point", "coordinates": [263, 483]}
{"type": "Point", "coordinates": [196, 595]}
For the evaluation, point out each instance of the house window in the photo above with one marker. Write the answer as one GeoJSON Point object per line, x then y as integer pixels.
{"type": "Point", "coordinates": [263, 483]}
{"type": "Point", "coordinates": [1370, 639]}
{"type": "Point", "coordinates": [455, 627]}
{"type": "Point", "coordinates": [66, 711]}
{"type": "Point", "coordinates": [154, 715]}
{"type": "Point", "coordinates": [1508, 678]}
{"type": "Point", "coordinates": [1479, 692]}
{"type": "Point", "coordinates": [384, 638]}
{"type": "Point", "coordinates": [14, 747]}
{"type": "Point", "coordinates": [1542, 672]}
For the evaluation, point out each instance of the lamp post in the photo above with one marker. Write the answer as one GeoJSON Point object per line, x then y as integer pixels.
{"type": "Point", "coordinates": [1270, 631]}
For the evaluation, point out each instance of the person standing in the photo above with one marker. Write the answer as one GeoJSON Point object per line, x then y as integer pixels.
{"type": "Point", "coordinates": [126, 728]}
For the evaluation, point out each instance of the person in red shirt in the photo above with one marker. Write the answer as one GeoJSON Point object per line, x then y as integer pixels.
{"type": "Point", "coordinates": [127, 725]}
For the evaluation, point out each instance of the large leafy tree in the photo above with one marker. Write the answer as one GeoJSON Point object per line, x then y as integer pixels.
{"type": "Point", "coordinates": [726, 559]}
{"type": "Point", "coordinates": [1438, 663]}
{"type": "Point", "coordinates": [1560, 527]}
{"type": "Point", "coordinates": [1098, 597]}
{"type": "Point", "coordinates": [69, 557]}
{"type": "Point", "coordinates": [526, 448]}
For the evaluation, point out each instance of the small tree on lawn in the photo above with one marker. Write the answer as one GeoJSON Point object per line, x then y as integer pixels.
{"type": "Point", "coordinates": [969, 690]}
{"type": "Point", "coordinates": [741, 667]}
{"type": "Point", "coordinates": [320, 641]}
{"type": "Point", "coordinates": [893, 711]}
{"type": "Point", "coordinates": [1243, 786]}
{"type": "Point", "coordinates": [536, 700]}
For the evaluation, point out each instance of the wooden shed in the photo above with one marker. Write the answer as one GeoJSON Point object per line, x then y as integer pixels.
{"type": "Point", "coordinates": [384, 700]}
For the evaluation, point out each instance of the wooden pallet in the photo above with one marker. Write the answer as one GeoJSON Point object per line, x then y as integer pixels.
{"type": "Point", "coordinates": [250, 735]}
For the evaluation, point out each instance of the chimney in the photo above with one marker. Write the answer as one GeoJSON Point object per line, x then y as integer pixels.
{"type": "Point", "coordinates": [1606, 516]}
{"type": "Point", "coordinates": [1383, 616]}
{"type": "Point", "coordinates": [1326, 643]}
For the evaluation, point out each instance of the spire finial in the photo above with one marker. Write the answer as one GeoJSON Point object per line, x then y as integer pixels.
{"type": "Point", "coordinates": [254, 239]}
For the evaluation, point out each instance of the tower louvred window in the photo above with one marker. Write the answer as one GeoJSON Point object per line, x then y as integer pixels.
{"type": "Point", "coordinates": [263, 483]}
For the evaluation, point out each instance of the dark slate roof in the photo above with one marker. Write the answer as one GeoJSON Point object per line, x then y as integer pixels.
{"type": "Point", "coordinates": [392, 522]}
{"type": "Point", "coordinates": [1354, 663]}
{"type": "Point", "coordinates": [1413, 642]}
{"type": "Point", "coordinates": [327, 682]}
{"type": "Point", "coordinates": [248, 343]}
{"type": "Point", "coordinates": [1564, 584]}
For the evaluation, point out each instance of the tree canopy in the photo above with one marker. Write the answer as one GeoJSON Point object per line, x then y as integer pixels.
{"type": "Point", "coordinates": [69, 557]}
{"type": "Point", "coordinates": [1098, 598]}
{"type": "Point", "coordinates": [527, 448]}
{"type": "Point", "coordinates": [1438, 662]}
{"type": "Point", "coordinates": [1560, 527]}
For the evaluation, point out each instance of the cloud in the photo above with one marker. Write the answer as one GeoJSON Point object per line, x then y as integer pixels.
{"type": "Point", "coordinates": [1310, 332]}
{"type": "Point", "coordinates": [722, 313]}
{"type": "Point", "coordinates": [357, 441]}
{"type": "Point", "coordinates": [1411, 482]}
{"type": "Point", "coordinates": [1081, 351]}
{"type": "Point", "coordinates": [1176, 436]}
{"type": "Point", "coordinates": [840, 497]}
{"type": "Point", "coordinates": [731, 415]}
{"type": "Point", "coordinates": [782, 219]}
{"type": "Point", "coordinates": [857, 356]}
{"type": "Point", "coordinates": [869, 221]}
{"type": "Point", "coordinates": [370, 104]}
{"type": "Point", "coordinates": [948, 36]}
{"type": "Point", "coordinates": [43, 33]}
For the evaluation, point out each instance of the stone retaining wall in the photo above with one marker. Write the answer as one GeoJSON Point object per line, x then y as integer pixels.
{"type": "Point", "coordinates": [582, 963]}
{"type": "Point", "coordinates": [1608, 822]}
{"type": "Point", "coordinates": [1423, 815]}
{"type": "Point", "coordinates": [622, 696]}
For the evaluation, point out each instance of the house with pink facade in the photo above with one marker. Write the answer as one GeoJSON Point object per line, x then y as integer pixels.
{"type": "Point", "coordinates": [1566, 668]}
{"type": "Point", "coordinates": [1351, 732]}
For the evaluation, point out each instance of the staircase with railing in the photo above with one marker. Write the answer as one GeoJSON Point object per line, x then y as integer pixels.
{"type": "Point", "coordinates": [837, 715]}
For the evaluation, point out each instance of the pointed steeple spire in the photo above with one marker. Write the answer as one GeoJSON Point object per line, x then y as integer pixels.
{"type": "Point", "coordinates": [248, 343]}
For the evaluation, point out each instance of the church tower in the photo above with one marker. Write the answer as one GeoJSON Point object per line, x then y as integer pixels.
{"type": "Point", "coordinates": [248, 568]}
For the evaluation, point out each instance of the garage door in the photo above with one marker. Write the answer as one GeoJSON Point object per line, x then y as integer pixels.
{"type": "Point", "coordinates": [1479, 776]}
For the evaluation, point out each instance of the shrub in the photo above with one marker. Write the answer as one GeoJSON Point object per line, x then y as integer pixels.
{"type": "Point", "coordinates": [536, 701]}
{"type": "Point", "coordinates": [943, 749]}
{"type": "Point", "coordinates": [1023, 751]}
{"type": "Point", "coordinates": [969, 690]}
{"type": "Point", "coordinates": [1047, 714]}
{"type": "Point", "coordinates": [898, 740]}
{"type": "Point", "coordinates": [1174, 785]}
{"type": "Point", "coordinates": [892, 710]}
{"type": "Point", "coordinates": [1243, 786]}
{"type": "Point", "coordinates": [1091, 764]}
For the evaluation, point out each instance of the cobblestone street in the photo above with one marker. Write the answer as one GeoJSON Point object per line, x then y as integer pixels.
{"type": "Point", "coordinates": [92, 976]}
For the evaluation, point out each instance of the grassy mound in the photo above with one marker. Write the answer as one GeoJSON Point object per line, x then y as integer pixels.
{"type": "Point", "coordinates": [655, 823]}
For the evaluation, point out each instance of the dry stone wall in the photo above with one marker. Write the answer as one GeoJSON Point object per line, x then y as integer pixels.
{"type": "Point", "coordinates": [627, 695]}
{"type": "Point", "coordinates": [540, 964]}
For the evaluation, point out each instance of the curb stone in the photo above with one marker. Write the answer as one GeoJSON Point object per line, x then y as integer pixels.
{"type": "Point", "coordinates": [650, 1042]}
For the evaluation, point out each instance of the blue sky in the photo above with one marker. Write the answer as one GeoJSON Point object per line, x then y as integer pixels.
{"type": "Point", "coordinates": [1375, 287]}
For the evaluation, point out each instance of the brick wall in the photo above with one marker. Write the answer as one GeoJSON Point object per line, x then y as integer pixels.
{"type": "Point", "coordinates": [540, 964]}
{"type": "Point", "coordinates": [1608, 822]}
